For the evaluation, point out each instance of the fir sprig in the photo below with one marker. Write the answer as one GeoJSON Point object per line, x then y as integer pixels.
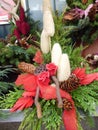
{"type": "Point", "coordinates": [4, 72]}
{"type": "Point", "coordinates": [7, 101]}
{"type": "Point", "coordinates": [88, 99]}
{"type": "Point", "coordinates": [51, 119]}
{"type": "Point", "coordinates": [5, 86]}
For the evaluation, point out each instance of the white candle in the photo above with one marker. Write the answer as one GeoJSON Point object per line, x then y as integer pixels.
{"type": "Point", "coordinates": [64, 70]}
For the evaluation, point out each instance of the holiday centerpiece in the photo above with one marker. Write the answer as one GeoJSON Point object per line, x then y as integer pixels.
{"type": "Point", "coordinates": [57, 84]}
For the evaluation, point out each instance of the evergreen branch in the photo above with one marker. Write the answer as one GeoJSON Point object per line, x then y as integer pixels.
{"type": "Point", "coordinates": [8, 100]}
{"type": "Point", "coordinates": [51, 117]}
{"type": "Point", "coordinates": [5, 86]}
{"type": "Point", "coordinates": [88, 96]}
{"type": "Point", "coordinates": [4, 73]}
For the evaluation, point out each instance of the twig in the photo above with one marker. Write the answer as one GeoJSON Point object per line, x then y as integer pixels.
{"type": "Point", "coordinates": [37, 104]}
{"type": "Point", "coordinates": [60, 102]}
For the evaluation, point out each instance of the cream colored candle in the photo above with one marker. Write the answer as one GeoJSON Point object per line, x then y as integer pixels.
{"type": "Point", "coordinates": [64, 70]}
{"type": "Point", "coordinates": [56, 54]}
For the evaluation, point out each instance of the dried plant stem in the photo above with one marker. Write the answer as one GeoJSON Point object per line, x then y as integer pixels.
{"type": "Point", "coordinates": [60, 102]}
{"type": "Point", "coordinates": [37, 104]}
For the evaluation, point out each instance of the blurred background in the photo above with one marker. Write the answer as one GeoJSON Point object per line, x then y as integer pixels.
{"type": "Point", "coordinates": [33, 9]}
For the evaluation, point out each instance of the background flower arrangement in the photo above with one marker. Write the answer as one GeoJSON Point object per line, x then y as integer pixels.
{"type": "Point", "coordinates": [21, 43]}
{"type": "Point", "coordinates": [54, 65]}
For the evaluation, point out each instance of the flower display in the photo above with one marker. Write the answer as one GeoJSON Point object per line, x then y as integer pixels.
{"type": "Point", "coordinates": [40, 85]}
{"type": "Point", "coordinates": [58, 82]}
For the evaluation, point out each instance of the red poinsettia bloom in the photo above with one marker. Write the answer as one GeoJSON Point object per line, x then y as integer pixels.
{"type": "Point", "coordinates": [80, 73]}
{"type": "Point", "coordinates": [52, 68]}
{"type": "Point", "coordinates": [85, 78]}
{"type": "Point", "coordinates": [44, 78]}
{"type": "Point", "coordinates": [38, 58]}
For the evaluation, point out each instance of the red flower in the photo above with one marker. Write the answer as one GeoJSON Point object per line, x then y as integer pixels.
{"type": "Point", "coordinates": [89, 78]}
{"type": "Point", "coordinates": [17, 33]}
{"type": "Point", "coordinates": [80, 73]}
{"type": "Point", "coordinates": [22, 26]}
{"type": "Point", "coordinates": [22, 14]}
{"type": "Point", "coordinates": [25, 28]}
{"type": "Point", "coordinates": [44, 78]}
{"type": "Point", "coordinates": [52, 68]}
{"type": "Point", "coordinates": [85, 78]}
{"type": "Point", "coordinates": [38, 58]}
{"type": "Point", "coordinates": [23, 102]}
{"type": "Point", "coordinates": [18, 24]}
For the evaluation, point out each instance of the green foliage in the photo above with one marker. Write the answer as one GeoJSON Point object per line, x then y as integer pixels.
{"type": "Point", "coordinates": [88, 99]}
{"type": "Point", "coordinates": [47, 58]}
{"type": "Point", "coordinates": [5, 70]}
{"type": "Point", "coordinates": [8, 100]}
{"type": "Point", "coordinates": [51, 119]}
{"type": "Point", "coordinates": [12, 55]}
{"type": "Point", "coordinates": [78, 3]}
{"type": "Point", "coordinates": [34, 26]}
{"type": "Point", "coordinates": [75, 53]}
{"type": "Point", "coordinates": [4, 74]}
{"type": "Point", "coordinates": [4, 87]}
{"type": "Point", "coordinates": [51, 115]}
{"type": "Point", "coordinates": [61, 34]}
{"type": "Point", "coordinates": [83, 29]}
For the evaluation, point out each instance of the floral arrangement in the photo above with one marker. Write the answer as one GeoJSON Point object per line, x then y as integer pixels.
{"type": "Point", "coordinates": [21, 43]}
{"type": "Point", "coordinates": [53, 88]}
{"type": "Point", "coordinates": [48, 82]}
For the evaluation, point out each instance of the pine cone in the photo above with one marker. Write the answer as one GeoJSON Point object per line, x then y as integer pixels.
{"type": "Point", "coordinates": [40, 69]}
{"type": "Point", "coordinates": [70, 84]}
{"type": "Point", "coordinates": [67, 105]}
{"type": "Point", "coordinates": [26, 67]}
